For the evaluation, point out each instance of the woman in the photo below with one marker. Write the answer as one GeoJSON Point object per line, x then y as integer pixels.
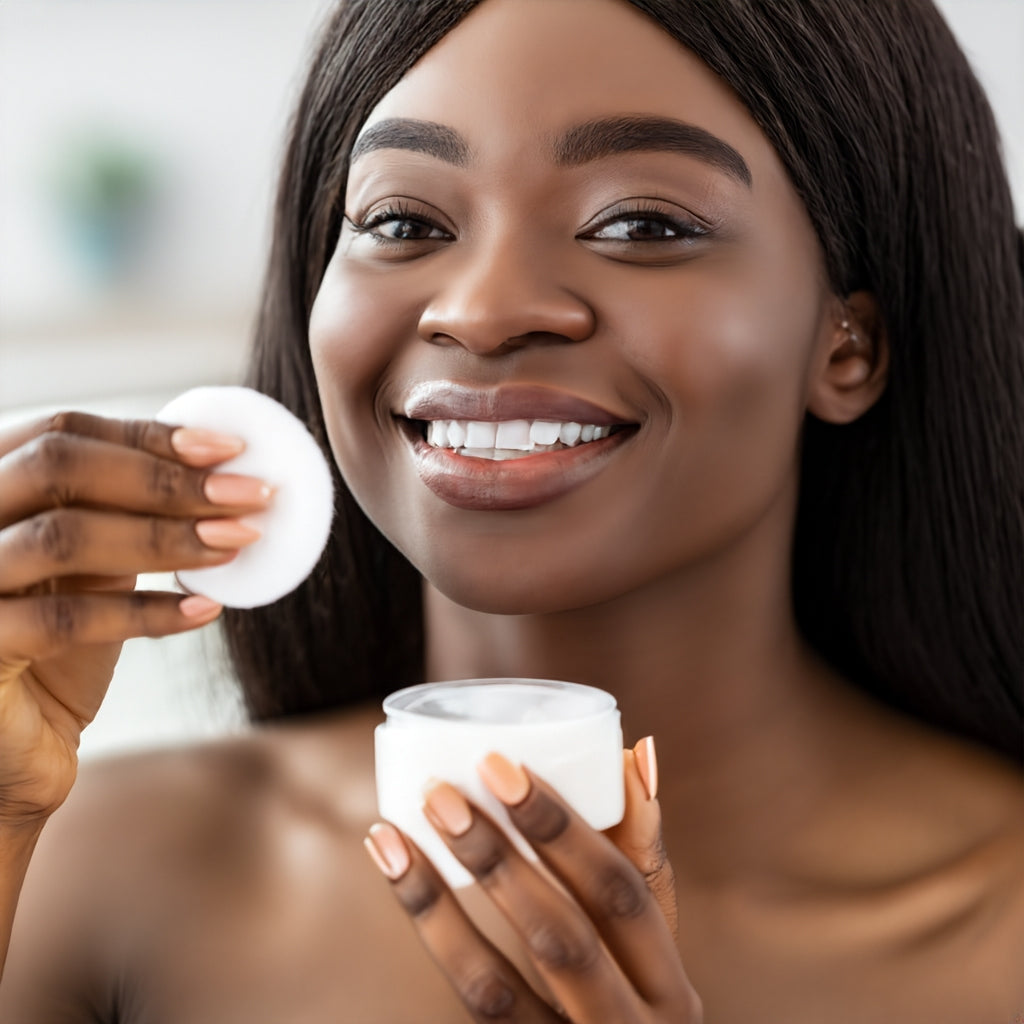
{"type": "Point", "coordinates": [765, 251]}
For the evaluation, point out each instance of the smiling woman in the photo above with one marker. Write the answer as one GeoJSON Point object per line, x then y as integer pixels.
{"type": "Point", "coordinates": [652, 354]}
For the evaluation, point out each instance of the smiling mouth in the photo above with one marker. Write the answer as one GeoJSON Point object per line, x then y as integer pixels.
{"type": "Point", "coordinates": [504, 440]}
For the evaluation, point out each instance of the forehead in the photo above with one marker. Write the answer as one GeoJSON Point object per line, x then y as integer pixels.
{"type": "Point", "coordinates": [520, 71]}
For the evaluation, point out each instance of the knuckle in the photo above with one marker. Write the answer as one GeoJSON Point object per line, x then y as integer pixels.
{"type": "Point", "coordinates": [620, 893]}
{"type": "Point", "coordinates": [417, 894]}
{"type": "Point", "coordinates": [147, 435]}
{"type": "Point", "coordinates": [57, 617]}
{"type": "Point", "coordinates": [658, 869]}
{"type": "Point", "coordinates": [49, 460]}
{"type": "Point", "coordinates": [54, 534]}
{"type": "Point", "coordinates": [539, 818]}
{"type": "Point", "coordinates": [556, 949]}
{"type": "Point", "coordinates": [487, 995]}
{"type": "Point", "coordinates": [161, 537]}
{"type": "Point", "coordinates": [164, 479]}
{"type": "Point", "coordinates": [64, 422]}
{"type": "Point", "coordinates": [482, 854]}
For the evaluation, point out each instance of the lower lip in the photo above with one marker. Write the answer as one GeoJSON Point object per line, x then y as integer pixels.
{"type": "Point", "coordinates": [488, 485]}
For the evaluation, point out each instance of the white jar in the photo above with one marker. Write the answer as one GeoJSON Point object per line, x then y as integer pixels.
{"type": "Point", "coordinates": [568, 734]}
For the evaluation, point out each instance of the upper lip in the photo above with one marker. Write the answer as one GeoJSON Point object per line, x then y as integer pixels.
{"type": "Point", "coordinates": [448, 400]}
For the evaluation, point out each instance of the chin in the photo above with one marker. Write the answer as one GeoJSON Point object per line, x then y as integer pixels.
{"type": "Point", "coordinates": [523, 593]}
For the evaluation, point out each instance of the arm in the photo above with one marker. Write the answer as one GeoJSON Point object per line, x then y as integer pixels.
{"type": "Point", "coordinates": [16, 846]}
{"type": "Point", "coordinates": [86, 504]}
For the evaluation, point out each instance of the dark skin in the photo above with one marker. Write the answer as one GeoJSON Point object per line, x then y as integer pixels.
{"type": "Point", "coordinates": [833, 861]}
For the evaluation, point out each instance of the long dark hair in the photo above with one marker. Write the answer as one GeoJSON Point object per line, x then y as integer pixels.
{"type": "Point", "coordinates": [909, 548]}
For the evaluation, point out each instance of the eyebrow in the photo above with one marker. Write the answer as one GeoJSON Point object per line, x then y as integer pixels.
{"type": "Point", "coordinates": [607, 136]}
{"type": "Point", "coordinates": [419, 136]}
{"type": "Point", "coordinates": [581, 144]}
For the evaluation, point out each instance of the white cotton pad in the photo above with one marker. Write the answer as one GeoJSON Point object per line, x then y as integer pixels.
{"type": "Point", "coordinates": [296, 525]}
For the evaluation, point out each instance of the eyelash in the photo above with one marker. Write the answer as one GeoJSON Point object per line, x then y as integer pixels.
{"type": "Point", "coordinates": [396, 212]}
{"type": "Point", "coordinates": [685, 230]}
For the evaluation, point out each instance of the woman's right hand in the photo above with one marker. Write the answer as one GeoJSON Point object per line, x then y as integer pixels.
{"type": "Point", "coordinates": [86, 504]}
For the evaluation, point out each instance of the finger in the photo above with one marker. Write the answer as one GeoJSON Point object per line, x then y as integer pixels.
{"type": "Point", "coordinates": [38, 627]}
{"type": "Point", "coordinates": [638, 835]}
{"type": "Point", "coordinates": [607, 886]}
{"type": "Point", "coordinates": [558, 936]}
{"type": "Point", "coordinates": [60, 469]}
{"type": "Point", "coordinates": [73, 542]}
{"type": "Point", "coordinates": [489, 986]}
{"type": "Point", "coordinates": [196, 447]}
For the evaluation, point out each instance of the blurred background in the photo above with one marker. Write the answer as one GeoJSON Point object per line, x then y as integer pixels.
{"type": "Point", "coordinates": [139, 141]}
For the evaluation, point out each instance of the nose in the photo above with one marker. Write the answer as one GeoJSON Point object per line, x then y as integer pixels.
{"type": "Point", "coordinates": [503, 300]}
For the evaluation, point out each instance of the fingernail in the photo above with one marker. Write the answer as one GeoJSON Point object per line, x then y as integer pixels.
{"type": "Point", "coordinates": [226, 533]}
{"type": "Point", "coordinates": [448, 806]}
{"type": "Point", "coordinates": [647, 765]}
{"type": "Point", "coordinates": [195, 606]}
{"type": "Point", "coordinates": [388, 850]}
{"type": "Point", "coordinates": [200, 444]}
{"type": "Point", "coordinates": [229, 489]}
{"type": "Point", "coordinates": [507, 781]}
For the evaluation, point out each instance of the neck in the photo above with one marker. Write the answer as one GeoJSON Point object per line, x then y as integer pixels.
{"type": "Point", "coordinates": [711, 663]}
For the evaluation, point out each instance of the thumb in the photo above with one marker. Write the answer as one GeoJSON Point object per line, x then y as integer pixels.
{"type": "Point", "coordinates": [638, 835]}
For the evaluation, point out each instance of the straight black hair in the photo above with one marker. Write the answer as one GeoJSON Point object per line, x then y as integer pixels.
{"type": "Point", "coordinates": [908, 566]}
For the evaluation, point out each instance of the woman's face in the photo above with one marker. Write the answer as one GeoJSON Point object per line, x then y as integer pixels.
{"type": "Point", "coordinates": [560, 224]}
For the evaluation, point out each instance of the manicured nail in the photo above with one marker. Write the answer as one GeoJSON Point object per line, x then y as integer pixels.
{"type": "Point", "coordinates": [205, 444]}
{"type": "Point", "coordinates": [195, 606]}
{"type": "Point", "coordinates": [226, 533]}
{"type": "Point", "coordinates": [388, 850]}
{"type": "Point", "coordinates": [507, 781]}
{"type": "Point", "coordinates": [230, 489]}
{"type": "Point", "coordinates": [449, 808]}
{"type": "Point", "coordinates": [647, 765]}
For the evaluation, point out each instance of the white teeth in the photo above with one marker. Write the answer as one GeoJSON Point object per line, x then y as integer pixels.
{"type": "Point", "coordinates": [569, 433]}
{"type": "Point", "coordinates": [544, 432]}
{"type": "Point", "coordinates": [480, 434]}
{"type": "Point", "coordinates": [456, 433]}
{"type": "Point", "coordinates": [437, 434]}
{"type": "Point", "coordinates": [510, 439]}
{"type": "Point", "coordinates": [513, 434]}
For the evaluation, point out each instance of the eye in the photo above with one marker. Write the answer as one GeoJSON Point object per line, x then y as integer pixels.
{"type": "Point", "coordinates": [634, 225]}
{"type": "Point", "coordinates": [397, 224]}
{"type": "Point", "coordinates": [642, 228]}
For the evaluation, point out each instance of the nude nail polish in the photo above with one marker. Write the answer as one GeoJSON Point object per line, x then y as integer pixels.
{"type": "Point", "coordinates": [226, 533]}
{"type": "Point", "coordinates": [231, 489]}
{"type": "Point", "coordinates": [647, 765]}
{"type": "Point", "coordinates": [197, 607]}
{"type": "Point", "coordinates": [507, 781]}
{"type": "Point", "coordinates": [205, 444]}
{"type": "Point", "coordinates": [388, 850]}
{"type": "Point", "coordinates": [449, 807]}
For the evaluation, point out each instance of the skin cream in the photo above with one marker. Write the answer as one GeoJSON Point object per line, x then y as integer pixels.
{"type": "Point", "coordinates": [280, 450]}
{"type": "Point", "coordinates": [567, 734]}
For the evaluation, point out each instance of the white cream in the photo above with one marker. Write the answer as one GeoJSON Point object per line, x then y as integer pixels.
{"type": "Point", "coordinates": [568, 734]}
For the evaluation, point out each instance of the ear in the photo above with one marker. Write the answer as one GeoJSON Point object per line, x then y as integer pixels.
{"type": "Point", "coordinates": [852, 366]}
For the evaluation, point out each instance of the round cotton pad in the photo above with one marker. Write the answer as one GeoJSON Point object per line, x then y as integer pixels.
{"type": "Point", "coordinates": [279, 450]}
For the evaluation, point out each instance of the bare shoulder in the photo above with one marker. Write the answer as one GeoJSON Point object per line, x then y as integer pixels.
{"type": "Point", "coordinates": [950, 816]}
{"type": "Point", "coordinates": [159, 861]}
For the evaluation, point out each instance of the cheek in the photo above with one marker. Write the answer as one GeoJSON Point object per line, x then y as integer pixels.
{"type": "Point", "coordinates": [353, 336]}
{"type": "Point", "coordinates": [731, 348]}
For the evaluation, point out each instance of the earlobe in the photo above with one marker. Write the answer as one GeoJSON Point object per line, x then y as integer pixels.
{"type": "Point", "coordinates": [854, 363]}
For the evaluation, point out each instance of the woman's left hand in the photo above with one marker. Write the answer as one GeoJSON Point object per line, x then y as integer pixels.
{"type": "Point", "coordinates": [603, 944]}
